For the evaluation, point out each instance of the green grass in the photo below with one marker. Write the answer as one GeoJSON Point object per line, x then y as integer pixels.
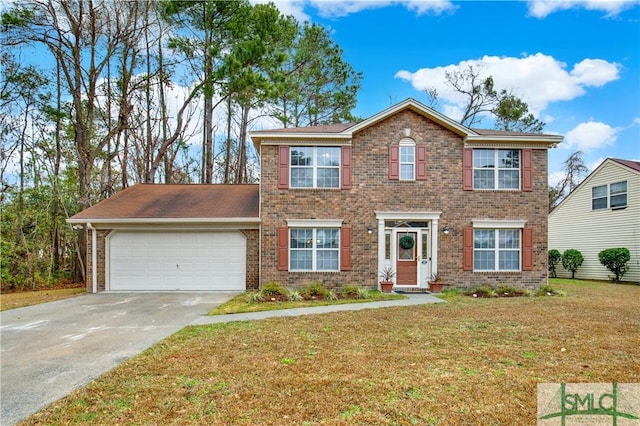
{"type": "Point", "coordinates": [242, 304]}
{"type": "Point", "coordinates": [470, 361]}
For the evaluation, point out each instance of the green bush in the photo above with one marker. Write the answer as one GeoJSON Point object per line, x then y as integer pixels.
{"type": "Point", "coordinates": [554, 258]}
{"type": "Point", "coordinates": [273, 289]}
{"type": "Point", "coordinates": [615, 260]}
{"type": "Point", "coordinates": [315, 289]}
{"type": "Point", "coordinates": [571, 261]}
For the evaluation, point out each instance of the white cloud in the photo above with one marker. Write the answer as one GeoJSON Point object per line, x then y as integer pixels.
{"type": "Point", "coordinates": [536, 79]}
{"type": "Point", "coordinates": [590, 135]}
{"type": "Point", "coordinates": [543, 8]}
{"type": "Point", "coordinates": [594, 164]}
{"type": "Point", "coordinates": [336, 9]}
{"type": "Point", "coordinates": [288, 7]}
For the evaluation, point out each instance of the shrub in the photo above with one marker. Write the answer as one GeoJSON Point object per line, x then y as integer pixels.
{"type": "Point", "coordinates": [255, 297]}
{"type": "Point", "coordinates": [571, 261]}
{"type": "Point", "coordinates": [294, 296]}
{"type": "Point", "coordinates": [273, 289]}
{"type": "Point", "coordinates": [350, 291]}
{"type": "Point", "coordinates": [314, 289]}
{"type": "Point", "coordinates": [483, 291]}
{"type": "Point", "coordinates": [554, 259]}
{"type": "Point", "coordinates": [615, 260]}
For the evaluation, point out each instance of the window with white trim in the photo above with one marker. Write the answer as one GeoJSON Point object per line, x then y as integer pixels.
{"type": "Point", "coordinates": [612, 196]}
{"type": "Point", "coordinates": [407, 159]}
{"type": "Point", "coordinates": [496, 169]}
{"type": "Point", "coordinates": [496, 249]}
{"type": "Point", "coordinates": [314, 249]}
{"type": "Point", "coordinates": [315, 167]}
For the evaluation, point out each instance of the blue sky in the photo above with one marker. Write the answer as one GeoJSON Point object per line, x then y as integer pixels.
{"type": "Point", "coordinates": [577, 64]}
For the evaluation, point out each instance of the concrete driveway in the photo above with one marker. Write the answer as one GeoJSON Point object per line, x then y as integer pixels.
{"type": "Point", "coordinates": [49, 350]}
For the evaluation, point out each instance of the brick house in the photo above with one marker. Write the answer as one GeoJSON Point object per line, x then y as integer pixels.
{"type": "Point", "coordinates": [407, 188]}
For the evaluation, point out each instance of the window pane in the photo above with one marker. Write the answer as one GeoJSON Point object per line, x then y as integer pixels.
{"type": "Point", "coordinates": [301, 238]}
{"type": "Point", "coordinates": [509, 239]}
{"type": "Point", "coordinates": [328, 156]}
{"type": "Point", "coordinates": [618, 201]}
{"type": "Point", "coordinates": [327, 238]}
{"type": "Point", "coordinates": [328, 178]}
{"type": "Point", "coordinates": [508, 179]}
{"type": "Point", "coordinates": [406, 172]}
{"type": "Point", "coordinates": [618, 187]}
{"type": "Point", "coordinates": [484, 260]}
{"type": "Point", "coordinates": [483, 179]}
{"type": "Point", "coordinates": [483, 158]}
{"type": "Point", "coordinates": [599, 197]}
{"type": "Point", "coordinates": [407, 154]}
{"type": "Point", "coordinates": [302, 177]}
{"type": "Point", "coordinates": [484, 238]}
{"type": "Point", "coordinates": [301, 260]}
{"type": "Point", "coordinates": [599, 203]}
{"type": "Point", "coordinates": [302, 156]}
{"type": "Point", "coordinates": [509, 159]}
{"type": "Point", "coordinates": [509, 260]}
{"type": "Point", "coordinates": [327, 260]}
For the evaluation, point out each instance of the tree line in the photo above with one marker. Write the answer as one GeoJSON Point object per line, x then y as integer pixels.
{"type": "Point", "coordinates": [98, 95]}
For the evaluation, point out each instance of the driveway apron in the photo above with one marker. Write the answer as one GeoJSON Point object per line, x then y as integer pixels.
{"type": "Point", "coordinates": [48, 350]}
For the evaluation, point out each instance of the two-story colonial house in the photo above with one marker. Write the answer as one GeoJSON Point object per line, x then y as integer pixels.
{"type": "Point", "coordinates": [407, 188]}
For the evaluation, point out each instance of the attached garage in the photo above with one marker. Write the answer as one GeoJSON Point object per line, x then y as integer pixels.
{"type": "Point", "coordinates": [181, 261]}
{"type": "Point", "coordinates": [153, 237]}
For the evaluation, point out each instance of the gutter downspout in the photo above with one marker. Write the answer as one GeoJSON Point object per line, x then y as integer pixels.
{"type": "Point", "coordinates": [94, 259]}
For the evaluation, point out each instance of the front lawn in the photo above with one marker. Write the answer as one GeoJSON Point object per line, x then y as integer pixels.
{"type": "Point", "coordinates": [473, 361]}
{"type": "Point", "coordinates": [28, 298]}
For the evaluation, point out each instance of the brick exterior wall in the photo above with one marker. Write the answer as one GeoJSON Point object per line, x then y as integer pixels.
{"type": "Point", "coordinates": [253, 258]}
{"type": "Point", "coordinates": [101, 236]}
{"type": "Point", "coordinates": [373, 191]}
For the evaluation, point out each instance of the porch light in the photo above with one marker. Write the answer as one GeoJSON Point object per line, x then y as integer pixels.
{"type": "Point", "coordinates": [370, 230]}
{"type": "Point", "coordinates": [445, 230]}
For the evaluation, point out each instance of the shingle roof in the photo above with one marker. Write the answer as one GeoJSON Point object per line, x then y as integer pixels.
{"type": "Point", "coordinates": [635, 165]}
{"type": "Point", "coordinates": [157, 201]}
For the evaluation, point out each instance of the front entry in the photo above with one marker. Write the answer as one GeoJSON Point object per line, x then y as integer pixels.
{"type": "Point", "coordinates": [407, 259]}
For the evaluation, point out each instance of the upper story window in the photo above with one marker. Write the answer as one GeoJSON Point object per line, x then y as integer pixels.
{"type": "Point", "coordinates": [609, 196]}
{"type": "Point", "coordinates": [315, 167]}
{"type": "Point", "coordinates": [407, 159]}
{"type": "Point", "coordinates": [496, 169]}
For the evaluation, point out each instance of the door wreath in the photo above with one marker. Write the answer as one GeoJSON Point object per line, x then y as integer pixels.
{"type": "Point", "coordinates": [407, 242]}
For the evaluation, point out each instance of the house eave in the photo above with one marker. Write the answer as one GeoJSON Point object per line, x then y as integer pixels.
{"type": "Point", "coordinates": [530, 141]}
{"type": "Point", "coordinates": [169, 221]}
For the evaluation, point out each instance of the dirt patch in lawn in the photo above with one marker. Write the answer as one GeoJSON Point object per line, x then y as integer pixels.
{"type": "Point", "coordinates": [19, 299]}
{"type": "Point", "coordinates": [467, 361]}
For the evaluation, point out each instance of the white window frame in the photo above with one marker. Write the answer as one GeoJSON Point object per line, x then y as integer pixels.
{"type": "Point", "coordinates": [314, 226]}
{"type": "Point", "coordinates": [609, 194]}
{"type": "Point", "coordinates": [314, 166]}
{"type": "Point", "coordinates": [497, 169]}
{"type": "Point", "coordinates": [407, 146]}
{"type": "Point", "coordinates": [498, 226]}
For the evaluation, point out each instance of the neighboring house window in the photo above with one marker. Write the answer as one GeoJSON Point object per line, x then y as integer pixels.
{"type": "Point", "coordinates": [496, 169]}
{"type": "Point", "coordinates": [305, 247]}
{"type": "Point", "coordinates": [609, 196]}
{"type": "Point", "coordinates": [314, 249]}
{"type": "Point", "coordinates": [315, 167]}
{"type": "Point", "coordinates": [498, 245]}
{"type": "Point", "coordinates": [407, 159]}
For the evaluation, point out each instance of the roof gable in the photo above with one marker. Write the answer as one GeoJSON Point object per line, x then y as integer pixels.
{"type": "Point", "coordinates": [633, 166]}
{"type": "Point", "coordinates": [167, 202]}
{"type": "Point", "coordinates": [342, 133]}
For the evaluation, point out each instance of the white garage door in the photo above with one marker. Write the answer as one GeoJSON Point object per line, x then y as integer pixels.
{"type": "Point", "coordinates": [186, 261]}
